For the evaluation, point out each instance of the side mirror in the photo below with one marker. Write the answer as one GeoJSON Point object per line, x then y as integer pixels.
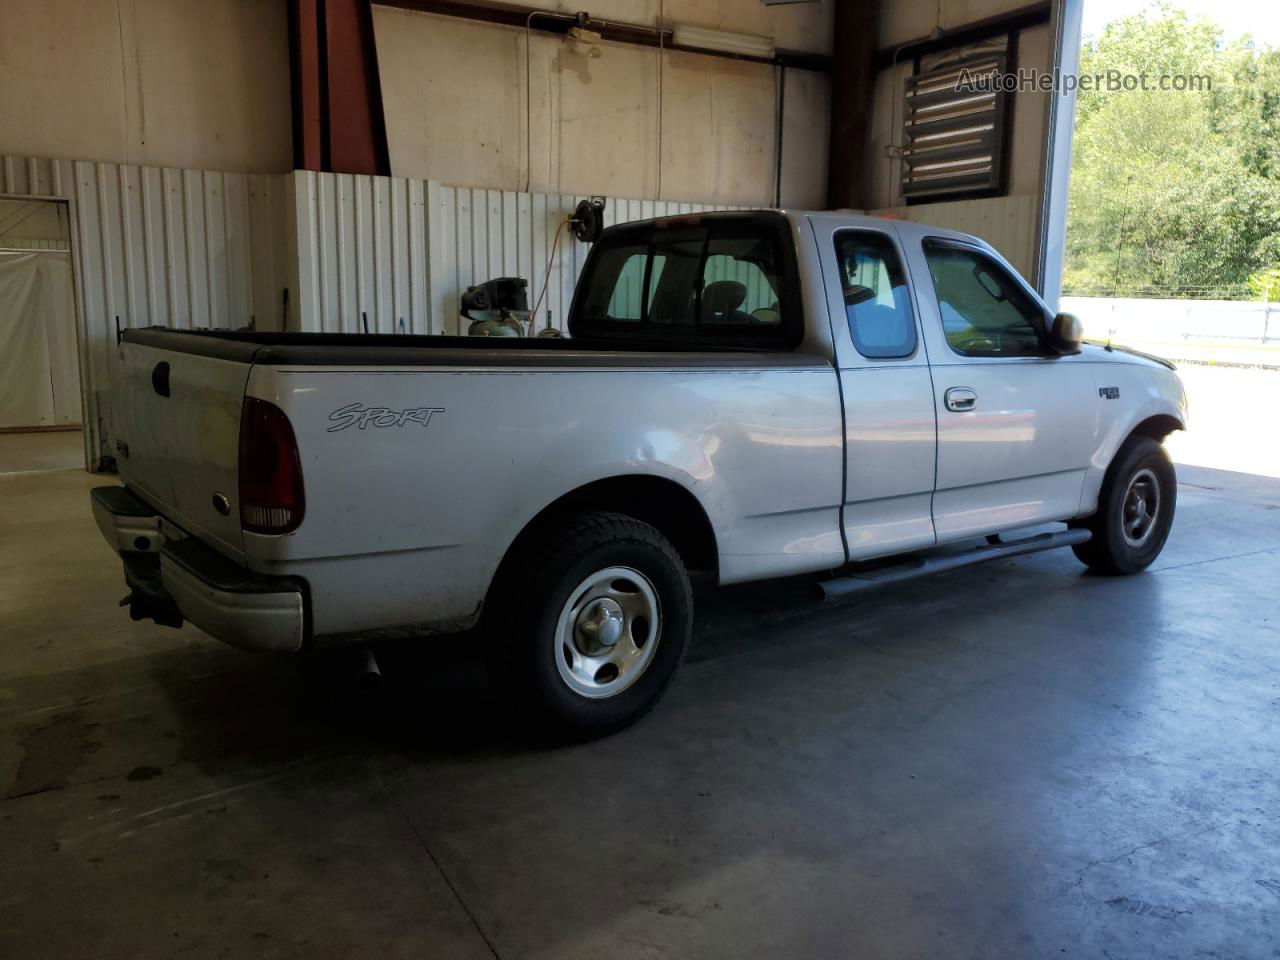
{"type": "Point", "coordinates": [1066, 334]}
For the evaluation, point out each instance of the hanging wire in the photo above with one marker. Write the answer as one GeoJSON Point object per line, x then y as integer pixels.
{"type": "Point", "coordinates": [661, 56]}
{"type": "Point", "coordinates": [528, 93]}
{"type": "Point", "coordinates": [546, 276]}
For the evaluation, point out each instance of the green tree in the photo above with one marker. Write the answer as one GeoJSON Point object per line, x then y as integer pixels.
{"type": "Point", "coordinates": [1175, 190]}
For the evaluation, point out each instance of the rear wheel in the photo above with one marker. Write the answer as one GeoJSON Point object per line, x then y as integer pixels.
{"type": "Point", "coordinates": [590, 627]}
{"type": "Point", "coordinates": [1135, 510]}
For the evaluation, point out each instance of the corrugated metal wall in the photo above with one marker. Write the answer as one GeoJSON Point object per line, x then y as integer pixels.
{"type": "Point", "coordinates": [1007, 223]}
{"type": "Point", "coordinates": [184, 248]}
{"type": "Point", "coordinates": [192, 248]}
{"type": "Point", "coordinates": [401, 252]}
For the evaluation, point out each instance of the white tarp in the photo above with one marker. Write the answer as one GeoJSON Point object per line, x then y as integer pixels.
{"type": "Point", "coordinates": [39, 368]}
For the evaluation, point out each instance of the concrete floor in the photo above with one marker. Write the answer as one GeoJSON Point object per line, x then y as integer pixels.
{"type": "Point", "coordinates": [1015, 761]}
{"type": "Point", "coordinates": [41, 450]}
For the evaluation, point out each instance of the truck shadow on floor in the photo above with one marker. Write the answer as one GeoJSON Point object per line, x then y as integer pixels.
{"type": "Point", "coordinates": [434, 699]}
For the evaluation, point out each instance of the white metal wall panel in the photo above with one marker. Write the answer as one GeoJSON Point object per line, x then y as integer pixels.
{"type": "Point", "coordinates": [183, 248]}
{"type": "Point", "coordinates": [192, 248]}
{"type": "Point", "coordinates": [401, 252]}
{"type": "Point", "coordinates": [1007, 223]}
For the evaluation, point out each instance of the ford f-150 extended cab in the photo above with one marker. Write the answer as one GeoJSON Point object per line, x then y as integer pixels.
{"type": "Point", "coordinates": [741, 396]}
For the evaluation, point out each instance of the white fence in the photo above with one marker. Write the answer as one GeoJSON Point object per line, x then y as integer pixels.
{"type": "Point", "coordinates": [1211, 331]}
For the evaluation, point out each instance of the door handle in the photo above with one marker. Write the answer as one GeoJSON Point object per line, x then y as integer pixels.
{"type": "Point", "coordinates": [960, 399]}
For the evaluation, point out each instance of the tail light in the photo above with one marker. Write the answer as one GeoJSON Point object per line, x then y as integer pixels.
{"type": "Point", "coordinates": [271, 498]}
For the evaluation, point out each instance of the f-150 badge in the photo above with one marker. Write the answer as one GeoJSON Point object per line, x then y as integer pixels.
{"type": "Point", "coordinates": [1109, 393]}
{"type": "Point", "coordinates": [361, 416]}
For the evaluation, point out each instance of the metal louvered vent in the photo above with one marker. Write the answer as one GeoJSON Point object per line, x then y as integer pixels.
{"type": "Point", "coordinates": [954, 129]}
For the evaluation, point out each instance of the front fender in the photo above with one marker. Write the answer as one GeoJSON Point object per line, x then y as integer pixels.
{"type": "Point", "coordinates": [1146, 391]}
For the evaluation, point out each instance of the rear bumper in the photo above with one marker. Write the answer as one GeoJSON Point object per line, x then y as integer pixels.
{"type": "Point", "coordinates": [128, 524]}
{"type": "Point", "coordinates": [175, 579]}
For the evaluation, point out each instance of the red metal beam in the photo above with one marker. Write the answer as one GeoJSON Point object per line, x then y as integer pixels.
{"type": "Point", "coordinates": [305, 84]}
{"type": "Point", "coordinates": [338, 123]}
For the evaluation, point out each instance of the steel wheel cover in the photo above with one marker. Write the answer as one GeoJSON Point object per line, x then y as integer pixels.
{"type": "Point", "coordinates": [1141, 508]}
{"type": "Point", "coordinates": [608, 632]}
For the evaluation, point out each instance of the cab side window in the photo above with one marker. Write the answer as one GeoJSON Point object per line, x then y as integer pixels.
{"type": "Point", "coordinates": [877, 302]}
{"type": "Point", "coordinates": [985, 312]}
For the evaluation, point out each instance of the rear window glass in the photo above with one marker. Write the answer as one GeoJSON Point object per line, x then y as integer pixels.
{"type": "Point", "coordinates": [877, 303]}
{"type": "Point", "coordinates": [726, 279]}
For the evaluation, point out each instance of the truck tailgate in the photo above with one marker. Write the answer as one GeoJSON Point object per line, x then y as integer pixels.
{"type": "Point", "coordinates": [179, 427]}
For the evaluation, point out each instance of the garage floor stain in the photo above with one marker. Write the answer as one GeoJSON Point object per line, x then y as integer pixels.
{"type": "Point", "coordinates": [51, 753]}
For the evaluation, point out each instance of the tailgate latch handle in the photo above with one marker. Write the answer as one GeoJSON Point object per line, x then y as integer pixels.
{"type": "Point", "coordinates": [160, 378]}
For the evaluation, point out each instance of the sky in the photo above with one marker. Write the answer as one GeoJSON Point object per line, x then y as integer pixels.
{"type": "Point", "coordinates": [1258, 17]}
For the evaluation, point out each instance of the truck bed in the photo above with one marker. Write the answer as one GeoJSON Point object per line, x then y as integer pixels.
{"type": "Point", "coordinates": [375, 349]}
{"type": "Point", "coordinates": [409, 512]}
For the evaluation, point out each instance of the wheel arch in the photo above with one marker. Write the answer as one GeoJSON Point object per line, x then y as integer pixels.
{"type": "Point", "coordinates": [1156, 427]}
{"type": "Point", "coordinates": [658, 501]}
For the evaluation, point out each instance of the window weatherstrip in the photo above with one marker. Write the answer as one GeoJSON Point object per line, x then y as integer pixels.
{"type": "Point", "coordinates": [644, 290]}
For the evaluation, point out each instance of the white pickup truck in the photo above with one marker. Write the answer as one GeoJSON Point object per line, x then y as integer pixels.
{"type": "Point", "coordinates": [742, 396]}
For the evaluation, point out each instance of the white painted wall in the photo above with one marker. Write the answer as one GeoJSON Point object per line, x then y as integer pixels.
{"type": "Point", "coordinates": [634, 122]}
{"type": "Point", "coordinates": [204, 84]}
{"type": "Point", "coordinates": [904, 20]}
{"type": "Point", "coordinates": [1007, 223]}
{"type": "Point", "coordinates": [795, 26]}
{"type": "Point", "coordinates": [182, 83]}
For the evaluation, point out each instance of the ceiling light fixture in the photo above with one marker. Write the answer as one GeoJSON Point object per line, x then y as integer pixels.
{"type": "Point", "coordinates": [743, 44]}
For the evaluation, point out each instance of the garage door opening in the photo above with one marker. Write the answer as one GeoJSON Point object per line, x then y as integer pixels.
{"type": "Point", "coordinates": [39, 358]}
{"type": "Point", "coordinates": [1173, 233]}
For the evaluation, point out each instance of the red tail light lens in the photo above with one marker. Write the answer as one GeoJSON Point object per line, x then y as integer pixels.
{"type": "Point", "coordinates": [271, 498]}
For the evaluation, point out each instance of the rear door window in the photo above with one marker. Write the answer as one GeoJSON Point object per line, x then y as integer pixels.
{"type": "Point", "coordinates": [877, 302]}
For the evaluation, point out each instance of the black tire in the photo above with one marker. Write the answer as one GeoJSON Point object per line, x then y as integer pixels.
{"type": "Point", "coordinates": [1144, 463]}
{"type": "Point", "coordinates": [525, 636]}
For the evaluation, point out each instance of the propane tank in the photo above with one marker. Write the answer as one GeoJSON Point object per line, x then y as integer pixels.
{"type": "Point", "coordinates": [503, 325]}
{"type": "Point", "coordinates": [504, 303]}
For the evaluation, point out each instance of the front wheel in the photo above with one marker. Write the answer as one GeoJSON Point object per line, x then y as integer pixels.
{"type": "Point", "coordinates": [592, 624]}
{"type": "Point", "coordinates": [1135, 510]}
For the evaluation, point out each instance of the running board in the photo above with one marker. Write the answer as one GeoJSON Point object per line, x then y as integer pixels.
{"type": "Point", "coordinates": [925, 566]}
